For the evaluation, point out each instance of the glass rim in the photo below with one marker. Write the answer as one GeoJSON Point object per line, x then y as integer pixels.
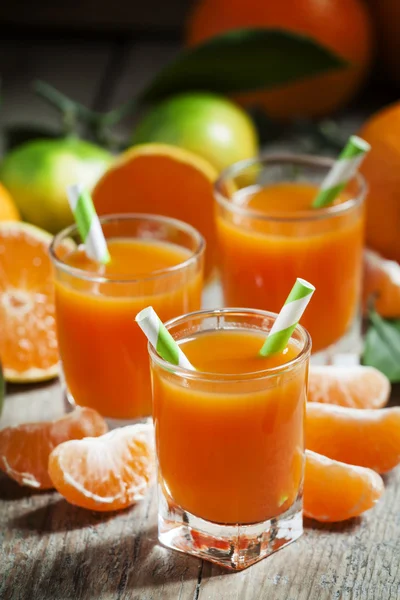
{"type": "Point", "coordinates": [157, 274]}
{"type": "Point", "coordinates": [306, 160]}
{"type": "Point", "coordinates": [231, 377]}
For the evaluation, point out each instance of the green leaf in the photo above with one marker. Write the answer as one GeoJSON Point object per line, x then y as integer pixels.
{"type": "Point", "coordinates": [382, 346]}
{"type": "Point", "coordinates": [243, 60]}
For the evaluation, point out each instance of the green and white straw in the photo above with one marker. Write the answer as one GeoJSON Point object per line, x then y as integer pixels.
{"type": "Point", "coordinates": [88, 223]}
{"type": "Point", "coordinates": [344, 168]}
{"type": "Point", "coordinates": [288, 318]}
{"type": "Point", "coordinates": [159, 337]}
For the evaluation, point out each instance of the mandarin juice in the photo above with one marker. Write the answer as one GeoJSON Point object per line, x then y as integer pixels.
{"type": "Point", "coordinates": [103, 352]}
{"type": "Point", "coordinates": [231, 451]}
{"type": "Point", "coordinates": [270, 235]}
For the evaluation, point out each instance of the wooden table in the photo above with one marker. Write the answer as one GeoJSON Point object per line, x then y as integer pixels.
{"type": "Point", "coordinates": [50, 550]}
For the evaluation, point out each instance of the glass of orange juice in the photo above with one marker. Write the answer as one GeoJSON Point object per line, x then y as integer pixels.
{"type": "Point", "coordinates": [230, 437]}
{"type": "Point", "coordinates": [154, 260]}
{"type": "Point", "coordinates": [269, 234]}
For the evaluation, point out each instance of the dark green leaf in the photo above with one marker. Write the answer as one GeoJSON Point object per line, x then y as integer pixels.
{"type": "Point", "coordinates": [243, 60]}
{"type": "Point", "coordinates": [382, 346]}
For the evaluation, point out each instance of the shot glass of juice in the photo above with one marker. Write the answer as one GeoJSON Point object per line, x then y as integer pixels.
{"type": "Point", "coordinates": [103, 353]}
{"type": "Point", "coordinates": [269, 234]}
{"type": "Point", "coordinates": [230, 437]}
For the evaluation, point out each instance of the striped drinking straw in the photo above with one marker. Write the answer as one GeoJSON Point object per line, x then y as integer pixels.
{"type": "Point", "coordinates": [88, 223]}
{"type": "Point", "coordinates": [288, 318]}
{"type": "Point", "coordinates": [159, 337]}
{"type": "Point", "coordinates": [344, 168]}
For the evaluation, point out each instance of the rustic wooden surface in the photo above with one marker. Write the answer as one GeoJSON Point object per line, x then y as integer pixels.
{"type": "Point", "coordinates": [51, 550]}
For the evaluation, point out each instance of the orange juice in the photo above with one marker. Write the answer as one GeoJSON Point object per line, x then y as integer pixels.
{"type": "Point", "coordinates": [230, 445]}
{"type": "Point", "coordinates": [103, 352]}
{"type": "Point", "coordinates": [272, 235]}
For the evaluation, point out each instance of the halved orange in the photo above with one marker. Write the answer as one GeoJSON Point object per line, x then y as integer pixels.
{"type": "Point", "coordinates": [24, 450]}
{"type": "Point", "coordinates": [161, 179]}
{"type": "Point", "coordinates": [105, 473]}
{"type": "Point", "coordinates": [334, 491]}
{"type": "Point", "coordinates": [28, 344]}
{"type": "Point", "coordinates": [356, 386]}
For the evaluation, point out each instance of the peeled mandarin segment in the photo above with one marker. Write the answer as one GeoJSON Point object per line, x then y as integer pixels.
{"type": "Point", "coordinates": [334, 491]}
{"type": "Point", "coordinates": [354, 387]}
{"type": "Point", "coordinates": [28, 344]}
{"type": "Point", "coordinates": [25, 450]}
{"type": "Point", "coordinates": [381, 285]}
{"type": "Point", "coordinates": [165, 180]}
{"type": "Point", "coordinates": [106, 473]}
{"type": "Point", "coordinates": [368, 438]}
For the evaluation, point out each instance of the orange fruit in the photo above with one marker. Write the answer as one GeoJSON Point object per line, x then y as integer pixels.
{"type": "Point", "coordinates": [8, 210]}
{"type": "Point", "coordinates": [25, 450]}
{"type": "Point", "coordinates": [105, 473]}
{"type": "Point", "coordinates": [165, 180]}
{"type": "Point", "coordinates": [356, 386]}
{"type": "Point", "coordinates": [28, 344]}
{"type": "Point", "coordinates": [343, 26]}
{"type": "Point", "coordinates": [335, 491]}
{"type": "Point", "coordinates": [381, 285]}
{"type": "Point", "coordinates": [381, 169]}
{"type": "Point", "coordinates": [367, 438]}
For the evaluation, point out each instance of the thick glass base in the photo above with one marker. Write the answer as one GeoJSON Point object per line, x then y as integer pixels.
{"type": "Point", "coordinates": [235, 547]}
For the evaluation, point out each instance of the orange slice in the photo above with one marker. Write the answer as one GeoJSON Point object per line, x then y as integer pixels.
{"type": "Point", "coordinates": [28, 344]}
{"type": "Point", "coordinates": [106, 473]}
{"type": "Point", "coordinates": [355, 387]}
{"type": "Point", "coordinates": [161, 179]}
{"type": "Point", "coordinates": [334, 491]}
{"type": "Point", "coordinates": [381, 284]}
{"type": "Point", "coordinates": [25, 450]}
{"type": "Point", "coordinates": [368, 438]}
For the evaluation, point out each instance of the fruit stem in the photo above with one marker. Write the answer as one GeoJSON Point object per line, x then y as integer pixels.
{"type": "Point", "coordinates": [71, 110]}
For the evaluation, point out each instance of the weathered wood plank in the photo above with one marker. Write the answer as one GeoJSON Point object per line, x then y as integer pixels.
{"type": "Point", "coordinates": [49, 549]}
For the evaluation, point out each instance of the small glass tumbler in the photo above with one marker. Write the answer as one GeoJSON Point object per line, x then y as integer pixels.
{"type": "Point", "coordinates": [103, 352]}
{"type": "Point", "coordinates": [265, 249]}
{"type": "Point", "coordinates": [230, 448]}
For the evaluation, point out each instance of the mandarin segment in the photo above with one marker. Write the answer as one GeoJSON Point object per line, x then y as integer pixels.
{"type": "Point", "coordinates": [381, 285]}
{"type": "Point", "coordinates": [28, 344]}
{"type": "Point", "coordinates": [334, 491]}
{"type": "Point", "coordinates": [355, 387]}
{"type": "Point", "coordinates": [25, 450]}
{"type": "Point", "coordinates": [105, 473]}
{"type": "Point", "coordinates": [367, 438]}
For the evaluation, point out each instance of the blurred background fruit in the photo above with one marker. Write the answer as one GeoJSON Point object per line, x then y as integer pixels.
{"type": "Point", "coordinates": [343, 26]}
{"type": "Point", "coordinates": [209, 125]}
{"type": "Point", "coordinates": [381, 168]}
{"type": "Point", "coordinates": [8, 210]}
{"type": "Point", "coordinates": [386, 16]}
{"type": "Point", "coordinates": [165, 180]}
{"type": "Point", "coordinates": [37, 173]}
